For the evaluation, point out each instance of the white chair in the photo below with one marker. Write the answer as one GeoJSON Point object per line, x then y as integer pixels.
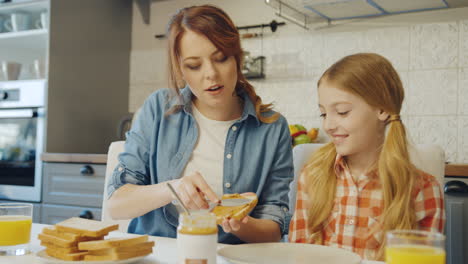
{"type": "Point", "coordinates": [429, 158]}
{"type": "Point", "coordinates": [112, 160]}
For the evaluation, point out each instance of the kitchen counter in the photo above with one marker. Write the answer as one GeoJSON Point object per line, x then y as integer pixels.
{"type": "Point", "coordinates": [454, 169]}
{"type": "Point", "coordinates": [74, 158]}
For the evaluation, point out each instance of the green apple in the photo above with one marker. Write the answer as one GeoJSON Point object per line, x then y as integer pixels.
{"type": "Point", "coordinates": [300, 127]}
{"type": "Point", "coordinates": [301, 139]}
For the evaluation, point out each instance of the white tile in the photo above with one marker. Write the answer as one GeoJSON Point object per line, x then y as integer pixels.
{"type": "Point", "coordinates": [293, 98]}
{"type": "Point", "coordinates": [404, 77]}
{"type": "Point", "coordinates": [338, 45]}
{"type": "Point", "coordinates": [312, 53]}
{"type": "Point", "coordinates": [462, 139]}
{"type": "Point", "coordinates": [440, 130]}
{"type": "Point", "coordinates": [433, 92]}
{"type": "Point", "coordinates": [434, 46]}
{"type": "Point", "coordinates": [463, 91]}
{"type": "Point", "coordinates": [392, 43]}
{"type": "Point", "coordinates": [463, 26]}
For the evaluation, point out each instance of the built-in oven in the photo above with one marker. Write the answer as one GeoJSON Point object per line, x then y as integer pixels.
{"type": "Point", "coordinates": [21, 139]}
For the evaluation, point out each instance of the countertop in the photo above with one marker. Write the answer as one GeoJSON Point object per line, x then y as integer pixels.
{"type": "Point", "coordinates": [74, 158]}
{"type": "Point", "coordinates": [454, 169]}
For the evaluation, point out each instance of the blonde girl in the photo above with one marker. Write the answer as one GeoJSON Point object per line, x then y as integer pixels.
{"type": "Point", "coordinates": [362, 183]}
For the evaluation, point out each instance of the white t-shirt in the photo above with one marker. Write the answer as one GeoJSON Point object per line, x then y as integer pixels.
{"type": "Point", "coordinates": [208, 154]}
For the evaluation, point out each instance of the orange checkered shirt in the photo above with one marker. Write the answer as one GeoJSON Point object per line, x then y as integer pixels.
{"type": "Point", "coordinates": [354, 221]}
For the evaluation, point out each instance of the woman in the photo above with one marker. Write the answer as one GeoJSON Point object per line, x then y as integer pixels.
{"type": "Point", "coordinates": [363, 183]}
{"type": "Point", "coordinates": [212, 137]}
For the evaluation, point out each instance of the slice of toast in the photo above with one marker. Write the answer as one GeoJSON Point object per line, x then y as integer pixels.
{"type": "Point", "coordinates": [51, 230]}
{"type": "Point", "coordinates": [119, 255]}
{"type": "Point", "coordinates": [112, 242]}
{"type": "Point", "coordinates": [130, 248]}
{"type": "Point", "coordinates": [66, 256]}
{"type": "Point", "coordinates": [235, 212]}
{"type": "Point", "coordinates": [86, 227]}
{"type": "Point", "coordinates": [61, 249]}
{"type": "Point", "coordinates": [61, 242]}
{"type": "Point", "coordinates": [57, 241]}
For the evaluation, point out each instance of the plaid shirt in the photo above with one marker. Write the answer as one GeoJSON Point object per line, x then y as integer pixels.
{"type": "Point", "coordinates": [354, 223]}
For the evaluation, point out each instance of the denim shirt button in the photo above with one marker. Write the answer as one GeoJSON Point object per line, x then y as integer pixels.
{"type": "Point", "coordinates": [285, 209]}
{"type": "Point", "coordinates": [234, 128]}
{"type": "Point", "coordinates": [120, 169]}
{"type": "Point", "coordinates": [229, 156]}
{"type": "Point", "coordinates": [227, 185]}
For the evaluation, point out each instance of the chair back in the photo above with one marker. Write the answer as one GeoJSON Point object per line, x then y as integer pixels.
{"type": "Point", "coordinates": [115, 149]}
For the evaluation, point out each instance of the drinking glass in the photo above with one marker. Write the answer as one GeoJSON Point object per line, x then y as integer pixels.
{"type": "Point", "coordinates": [15, 228]}
{"type": "Point", "coordinates": [414, 247]}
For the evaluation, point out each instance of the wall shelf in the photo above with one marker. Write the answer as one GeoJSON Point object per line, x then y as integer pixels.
{"type": "Point", "coordinates": [29, 6]}
{"type": "Point", "coordinates": [35, 39]}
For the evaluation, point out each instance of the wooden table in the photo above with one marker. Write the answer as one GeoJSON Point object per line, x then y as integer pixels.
{"type": "Point", "coordinates": [164, 250]}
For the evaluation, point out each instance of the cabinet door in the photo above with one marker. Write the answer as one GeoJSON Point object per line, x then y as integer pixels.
{"type": "Point", "coordinates": [73, 184]}
{"type": "Point", "coordinates": [52, 214]}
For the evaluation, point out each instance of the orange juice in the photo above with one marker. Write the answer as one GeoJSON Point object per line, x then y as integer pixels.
{"type": "Point", "coordinates": [14, 229]}
{"type": "Point", "coordinates": [412, 254]}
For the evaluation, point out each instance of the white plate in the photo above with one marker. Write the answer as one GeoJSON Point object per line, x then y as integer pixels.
{"type": "Point", "coordinates": [287, 253]}
{"type": "Point", "coordinates": [42, 255]}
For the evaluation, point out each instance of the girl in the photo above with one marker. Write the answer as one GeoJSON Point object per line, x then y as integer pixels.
{"type": "Point", "coordinates": [212, 137]}
{"type": "Point", "coordinates": [362, 183]}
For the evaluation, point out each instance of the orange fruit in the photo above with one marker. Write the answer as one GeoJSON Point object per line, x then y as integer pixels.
{"type": "Point", "coordinates": [313, 133]}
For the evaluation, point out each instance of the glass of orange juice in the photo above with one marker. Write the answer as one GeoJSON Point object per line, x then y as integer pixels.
{"type": "Point", "coordinates": [15, 228]}
{"type": "Point", "coordinates": [414, 247]}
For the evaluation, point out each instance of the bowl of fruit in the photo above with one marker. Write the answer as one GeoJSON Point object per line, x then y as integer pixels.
{"type": "Point", "coordinates": [300, 135]}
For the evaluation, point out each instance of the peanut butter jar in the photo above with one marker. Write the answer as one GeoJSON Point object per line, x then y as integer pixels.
{"type": "Point", "coordinates": [197, 238]}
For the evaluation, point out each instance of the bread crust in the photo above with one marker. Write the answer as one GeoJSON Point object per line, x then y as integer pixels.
{"type": "Point", "coordinates": [235, 212]}
{"type": "Point", "coordinates": [86, 227]}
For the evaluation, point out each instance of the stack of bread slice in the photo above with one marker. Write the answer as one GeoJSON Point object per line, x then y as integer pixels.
{"type": "Point", "coordinates": [82, 239]}
{"type": "Point", "coordinates": [117, 248]}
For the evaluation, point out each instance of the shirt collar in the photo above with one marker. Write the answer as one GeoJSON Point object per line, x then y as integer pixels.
{"type": "Point", "coordinates": [185, 100]}
{"type": "Point", "coordinates": [342, 170]}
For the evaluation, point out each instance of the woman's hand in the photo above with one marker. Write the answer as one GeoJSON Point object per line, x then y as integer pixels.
{"type": "Point", "coordinates": [192, 190]}
{"type": "Point", "coordinates": [233, 225]}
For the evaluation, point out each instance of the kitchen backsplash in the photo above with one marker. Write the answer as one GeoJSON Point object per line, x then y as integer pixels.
{"type": "Point", "coordinates": [432, 60]}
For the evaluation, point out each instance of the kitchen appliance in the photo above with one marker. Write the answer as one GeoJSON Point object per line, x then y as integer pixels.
{"type": "Point", "coordinates": [456, 209]}
{"type": "Point", "coordinates": [21, 139]}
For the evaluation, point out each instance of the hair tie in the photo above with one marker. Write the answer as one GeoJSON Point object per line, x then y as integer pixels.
{"type": "Point", "coordinates": [394, 118]}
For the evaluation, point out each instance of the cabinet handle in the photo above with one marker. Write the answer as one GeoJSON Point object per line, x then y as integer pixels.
{"type": "Point", "coordinates": [86, 214]}
{"type": "Point", "coordinates": [87, 170]}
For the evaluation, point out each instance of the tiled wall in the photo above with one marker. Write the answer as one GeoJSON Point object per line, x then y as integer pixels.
{"type": "Point", "coordinates": [432, 60]}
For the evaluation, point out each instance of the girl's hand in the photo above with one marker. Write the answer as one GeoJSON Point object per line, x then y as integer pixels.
{"type": "Point", "coordinates": [192, 190]}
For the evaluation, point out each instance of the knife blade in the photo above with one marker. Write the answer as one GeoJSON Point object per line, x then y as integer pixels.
{"type": "Point", "coordinates": [235, 202]}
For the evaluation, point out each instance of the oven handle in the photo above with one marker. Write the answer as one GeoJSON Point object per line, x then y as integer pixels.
{"type": "Point", "coordinates": [18, 113]}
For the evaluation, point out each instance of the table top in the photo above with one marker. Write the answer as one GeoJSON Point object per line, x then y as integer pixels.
{"type": "Point", "coordinates": [164, 250]}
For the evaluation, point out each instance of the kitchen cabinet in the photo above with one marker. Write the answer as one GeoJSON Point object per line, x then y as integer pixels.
{"type": "Point", "coordinates": [72, 190]}
{"type": "Point", "coordinates": [83, 53]}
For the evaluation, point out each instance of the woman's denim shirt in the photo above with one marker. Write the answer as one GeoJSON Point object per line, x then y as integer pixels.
{"type": "Point", "coordinates": [257, 158]}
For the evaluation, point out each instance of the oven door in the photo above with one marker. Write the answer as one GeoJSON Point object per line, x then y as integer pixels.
{"type": "Point", "coordinates": [20, 148]}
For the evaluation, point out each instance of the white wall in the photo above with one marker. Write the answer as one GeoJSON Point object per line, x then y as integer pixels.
{"type": "Point", "coordinates": [432, 59]}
